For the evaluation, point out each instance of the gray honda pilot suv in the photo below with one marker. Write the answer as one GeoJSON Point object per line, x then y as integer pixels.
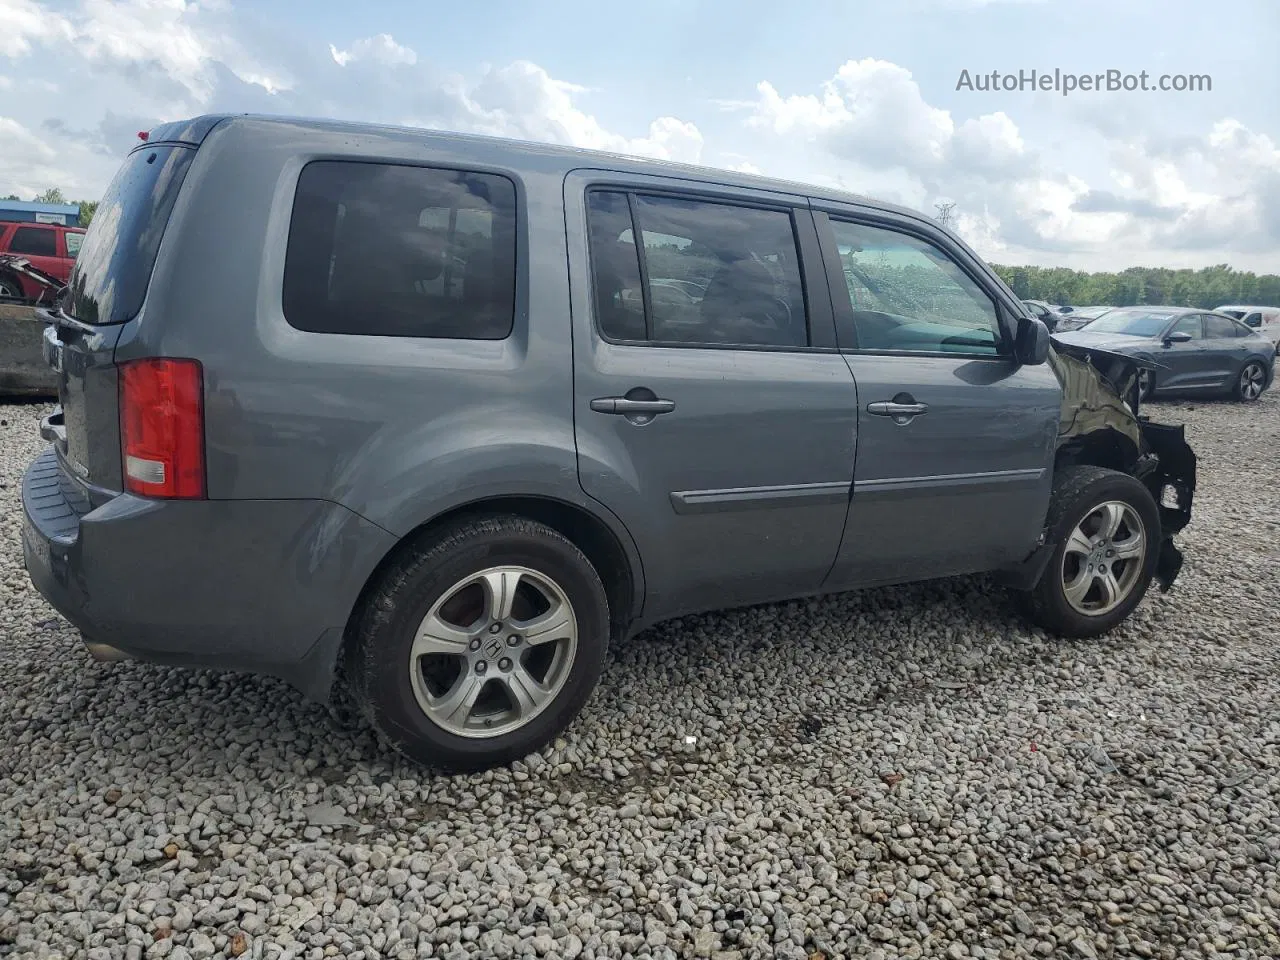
{"type": "Point", "coordinates": [436, 417]}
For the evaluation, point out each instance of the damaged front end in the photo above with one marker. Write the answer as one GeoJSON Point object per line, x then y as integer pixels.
{"type": "Point", "coordinates": [1102, 424]}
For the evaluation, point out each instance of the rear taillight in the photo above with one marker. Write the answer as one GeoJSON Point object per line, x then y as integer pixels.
{"type": "Point", "coordinates": [162, 428]}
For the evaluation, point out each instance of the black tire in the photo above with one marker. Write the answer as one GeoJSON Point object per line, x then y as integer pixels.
{"type": "Point", "coordinates": [1244, 389]}
{"type": "Point", "coordinates": [1146, 383]}
{"type": "Point", "coordinates": [10, 288]}
{"type": "Point", "coordinates": [377, 662]}
{"type": "Point", "coordinates": [1079, 491]}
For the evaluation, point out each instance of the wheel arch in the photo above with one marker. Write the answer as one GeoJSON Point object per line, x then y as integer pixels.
{"type": "Point", "coordinates": [1104, 447]}
{"type": "Point", "coordinates": [610, 551]}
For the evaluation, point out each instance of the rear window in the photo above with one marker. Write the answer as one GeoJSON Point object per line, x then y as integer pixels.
{"type": "Point", "coordinates": [73, 241]}
{"type": "Point", "coordinates": [34, 242]}
{"type": "Point", "coordinates": [113, 267]}
{"type": "Point", "coordinates": [388, 250]}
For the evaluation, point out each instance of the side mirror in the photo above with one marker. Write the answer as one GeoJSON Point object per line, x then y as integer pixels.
{"type": "Point", "coordinates": [1177, 336]}
{"type": "Point", "coordinates": [1031, 348]}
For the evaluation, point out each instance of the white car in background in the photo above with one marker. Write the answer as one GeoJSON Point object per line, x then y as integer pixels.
{"type": "Point", "coordinates": [1266, 320]}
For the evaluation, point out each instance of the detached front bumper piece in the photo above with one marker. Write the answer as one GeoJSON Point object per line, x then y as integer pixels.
{"type": "Point", "coordinates": [1168, 468]}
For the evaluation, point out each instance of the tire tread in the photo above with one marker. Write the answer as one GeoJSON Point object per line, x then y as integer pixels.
{"type": "Point", "coordinates": [416, 561]}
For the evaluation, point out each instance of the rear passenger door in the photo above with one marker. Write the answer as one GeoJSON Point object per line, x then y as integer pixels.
{"type": "Point", "coordinates": [955, 438]}
{"type": "Point", "coordinates": [713, 413]}
{"type": "Point", "coordinates": [1225, 349]}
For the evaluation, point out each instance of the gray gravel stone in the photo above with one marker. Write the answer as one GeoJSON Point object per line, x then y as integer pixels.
{"type": "Point", "coordinates": [912, 771]}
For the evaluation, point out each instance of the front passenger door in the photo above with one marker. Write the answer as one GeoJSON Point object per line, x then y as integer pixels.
{"type": "Point", "coordinates": [1184, 362]}
{"type": "Point", "coordinates": [955, 438]}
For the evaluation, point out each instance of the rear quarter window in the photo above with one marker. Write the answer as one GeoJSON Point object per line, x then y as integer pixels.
{"type": "Point", "coordinates": [389, 250]}
{"type": "Point", "coordinates": [116, 257]}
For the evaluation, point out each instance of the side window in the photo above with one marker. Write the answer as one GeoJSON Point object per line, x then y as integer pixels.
{"type": "Point", "coordinates": [910, 296]}
{"type": "Point", "coordinates": [387, 250]}
{"type": "Point", "coordinates": [73, 241]}
{"type": "Point", "coordinates": [713, 273]}
{"type": "Point", "coordinates": [615, 267]}
{"type": "Point", "coordinates": [1253, 320]}
{"type": "Point", "coordinates": [35, 242]}
{"type": "Point", "coordinates": [1188, 323]}
{"type": "Point", "coordinates": [1219, 327]}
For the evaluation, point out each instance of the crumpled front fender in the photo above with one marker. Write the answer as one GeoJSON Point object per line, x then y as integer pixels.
{"type": "Point", "coordinates": [1100, 424]}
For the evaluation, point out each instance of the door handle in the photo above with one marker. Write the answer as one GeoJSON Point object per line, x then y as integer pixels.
{"type": "Point", "coordinates": [901, 412]}
{"type": "Point", "coordinates": [632, 408]}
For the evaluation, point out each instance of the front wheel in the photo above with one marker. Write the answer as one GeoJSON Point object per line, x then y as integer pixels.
{"type": "Point", "coordinates": [1107, 529]}
{"type": "Point", "coordinates": [1251, 382]}
{"type": "Point", "coordinates": [1146, 383]}
{"type": "Point", "coordinates": [480, 645]}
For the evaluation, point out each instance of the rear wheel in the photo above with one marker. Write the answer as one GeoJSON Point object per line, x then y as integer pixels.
{"type": "Point", "coordinates": [480, 645]}
{"type": "Point", "coordinates": [10, 288]}
{"type": "Point", "coordinates": [1107, 528]}
{"type": "Point", "coordinates": [1251, 382]}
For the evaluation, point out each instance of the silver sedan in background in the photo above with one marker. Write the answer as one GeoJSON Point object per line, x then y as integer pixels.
{"type": "Point", "coordinates": [1190, 350]}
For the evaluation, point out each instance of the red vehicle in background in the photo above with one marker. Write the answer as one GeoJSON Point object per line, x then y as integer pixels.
{"type": "Point", "coordinates": [49, 248]}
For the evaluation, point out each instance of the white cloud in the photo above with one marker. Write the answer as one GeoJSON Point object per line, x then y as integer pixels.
{"type": "Point", "coordinates": [523, 101]}
{"type": "Point", "coordinates": [381, 48]}
{"type": "Point", "coordinates": [24, 22]}
{"type": "Point", "coordinates": [29, 164]}
{"type": "Point", "coordinates": [177, 37]}
{"type": "Point", "coordinates": [1218, 191]}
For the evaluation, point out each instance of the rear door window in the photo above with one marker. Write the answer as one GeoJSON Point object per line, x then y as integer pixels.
{"type": "Point", "coordinates": [34, 242]}
{"type": "Point", "coordinates": [389, 250]}
{"type": "Point", "coordinates": [704, 272]}
{"type": "Point", "coordinates": [113, 268]}
{"type": "Point", "coordinates": [1219, 327]}
{"type": "Point", "coordinates": [73, 241]}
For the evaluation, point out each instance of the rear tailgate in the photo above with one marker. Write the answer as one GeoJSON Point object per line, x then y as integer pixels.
{"type": "Point", "coordinates": [84, 427]}
{"type": "Point", "coordinates": [107, 289]}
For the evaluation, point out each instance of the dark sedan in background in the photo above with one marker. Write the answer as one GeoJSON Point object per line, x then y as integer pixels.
{"type": "Point", "coordinates": [1188, 350]}
{"type": "Point", "coordinates": [1080, 317]}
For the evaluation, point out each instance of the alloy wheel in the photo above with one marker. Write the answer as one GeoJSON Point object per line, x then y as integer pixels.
{"type": "Point", "coordinates": [493, 652]}
{"type": "Point", "coordinates": [1252, 380]}
{"type": "Point", "coordinates": [1104, 558]}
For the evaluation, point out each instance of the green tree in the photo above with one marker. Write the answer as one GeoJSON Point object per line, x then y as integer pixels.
{"type": "Point", "coordinates": [1208, 287]}
{"type": "Point", "coordinates": [12, 196]}
{"type": "Point", "coordinates": [52, 195]}
{"type": "Point", "coordinates": [87, 209]}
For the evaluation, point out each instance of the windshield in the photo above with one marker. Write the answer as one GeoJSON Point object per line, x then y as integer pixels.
{"type": "Point", "coordinates": [113, 267]}
{"type": "Point", "coordinates": [1090, 313]}
{"type": "Point", "coordinates": [1131, 323]}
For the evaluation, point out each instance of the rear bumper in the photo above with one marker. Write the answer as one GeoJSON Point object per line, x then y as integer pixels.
{"type": "Point", "coordinates": [258, 585]}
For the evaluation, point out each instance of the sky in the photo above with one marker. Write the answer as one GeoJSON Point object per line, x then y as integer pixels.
{"type": "Point", "coordinates": [886, 99]}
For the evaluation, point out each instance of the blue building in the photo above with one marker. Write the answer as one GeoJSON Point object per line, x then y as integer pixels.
{"type": "Point", "coordinates": [67, 214]}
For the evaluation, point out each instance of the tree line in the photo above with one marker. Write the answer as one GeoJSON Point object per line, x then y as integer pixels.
{"type": "Point", "coordinates": [1207, 287]}
{"type": "Point", "coordinates": [54, 195]}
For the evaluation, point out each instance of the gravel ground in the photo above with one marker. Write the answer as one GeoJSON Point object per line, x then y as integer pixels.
{"type": "Point", "coordinates": [901, 772]}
